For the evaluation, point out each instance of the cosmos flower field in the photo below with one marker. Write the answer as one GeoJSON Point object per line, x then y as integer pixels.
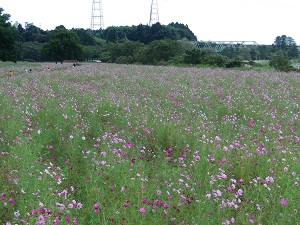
{"type": "Point", "coordinates": [131, 144]}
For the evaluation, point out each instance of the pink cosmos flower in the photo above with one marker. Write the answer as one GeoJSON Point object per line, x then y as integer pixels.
{"type": "Point", "coordinates": [197, 158]}
{"type": "Point", "coordinates": [142, 210]}
{"type": "Point", "coordinates": [79, 205]}
{"type": "Point", "coordinates": [284, 202]}
{"type": "Point", "coordinates": [166, 206]}
{"type": "Point", "coordinates": [11, 200]}
{"type": "Point", "coordinates": [96, 208]}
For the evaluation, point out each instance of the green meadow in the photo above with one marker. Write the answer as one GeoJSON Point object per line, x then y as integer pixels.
{"type": "Point", "coordinates": [131, 144]}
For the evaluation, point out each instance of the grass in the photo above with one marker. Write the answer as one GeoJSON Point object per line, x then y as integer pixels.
{"type": "Point", "coordinates": [131, 144]}
{"type": "Point", "coordinates": [18, 64]}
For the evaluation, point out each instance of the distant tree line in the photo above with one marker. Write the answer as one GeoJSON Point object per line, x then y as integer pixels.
{"type": "Point", "coordinates": [158, 45]}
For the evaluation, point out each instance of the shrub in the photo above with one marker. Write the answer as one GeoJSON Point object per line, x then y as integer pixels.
{"type": "Point", "coordinates": [217, 60]}
{"type": "Point", "coordinates": [281, 63]}
{"type": "Point", "coordinates": [236, 62]}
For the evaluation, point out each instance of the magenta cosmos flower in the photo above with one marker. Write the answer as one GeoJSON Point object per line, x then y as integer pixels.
{"type": "Point", "coordinates": [142, 210]}
{"type": "Point", "coordinates": [284, 202]}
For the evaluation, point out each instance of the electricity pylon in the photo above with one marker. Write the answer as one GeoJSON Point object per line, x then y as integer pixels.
{"type": "Point", "coordinates": [97, 16]}
{"type": "Point", "coordinates": [154, 18]}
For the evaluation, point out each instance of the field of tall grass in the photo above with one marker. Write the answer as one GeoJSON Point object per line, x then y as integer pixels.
{"type": "Point", "coordinates": [128, 144]}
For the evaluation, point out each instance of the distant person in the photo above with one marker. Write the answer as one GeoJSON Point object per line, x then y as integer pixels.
{"type": "Point", "coordinates": [48, 69]}
{"type": "Point", "coordinates": [30, 70]}
{"type": "Point", "coordinates": [10, 74]}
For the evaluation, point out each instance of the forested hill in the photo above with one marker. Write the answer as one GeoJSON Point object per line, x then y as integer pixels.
{"type": "Point", "coordinates": [146, 34]}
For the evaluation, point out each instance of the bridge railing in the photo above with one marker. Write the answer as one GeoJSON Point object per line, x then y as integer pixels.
{"type": "Point", "coordinates": [219, 46]}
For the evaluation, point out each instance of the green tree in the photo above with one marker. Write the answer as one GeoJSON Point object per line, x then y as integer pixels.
{"type": "Point", "coordinates": [245, 53]}
{"type": "Point", "coordinates": [31, 33]}
{"type": "Point", "coordinates": [161, 51]}
{"type": "Point", "coordinates": [195, 56]}
{"type": "Point", "coordinates": [254, 53]}
{"type": "Point", "coordinates": [63, 44]}
{"type": "Point", "coordinates": [230, 52]}
{"type": "Point", "coordinates": [86, 38]}
{"type": "Point", "coordinates": [8, 37]}
{"type": "Point", "coordinates": [112, 35]}
{"type": "Point", "coordinates": [235, 62]}
{"type": "Point", "coordinates": [217, 60]}
{"type": "Point", "coordinates": [264, 52]}
{"type": "Point", "coordinates": [287, 45]}
{"type": "Point", "coordinates": [31, 51]}
{"type": "Point", "coordinates": [281, 62]}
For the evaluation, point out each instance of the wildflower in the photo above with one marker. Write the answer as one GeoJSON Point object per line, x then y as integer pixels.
{"type": "Point", "coordinates": [158, 202]}
{"type": "Point", "coordinates": [11, 200]}
{"type": "Point", "coordinates": [284, 202]}
{"type": "Point", "coordinates": [126, 205]}
{"type": "Point", "coordinates": [232, 220]}
{"type": "Point", "coordinates": [142, 210]}
{"type": "Point", "coordinates": [240, 192]}
{"type": "Point", "coordinates": [166, 206]}
{"type": "Point", "coordinates": [197, 158]}
{"type": "Point", "coordinates": [17, 214]}
{"type": "Point", "coordinates": [269, 180]}
{"type": "Point", "coordinates": [219, 193]}
{"type": "Point", "coordinates": [79, 205]}
{"type": "Point", "coordinates": [51, 148]}
{"type": "Point", "coordinates": [96, 208]}
{"type": "Point", "coordinates": [251, 220]}
{"type": "Point", "coordinates": [41, 220]}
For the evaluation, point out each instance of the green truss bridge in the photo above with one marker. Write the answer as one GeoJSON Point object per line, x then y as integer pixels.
{"type": "Point", "coordinates": [219, 46]}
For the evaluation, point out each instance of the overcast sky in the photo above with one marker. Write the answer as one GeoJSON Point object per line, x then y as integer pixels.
{"type": "Point", "coordinates": [214, 20]}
